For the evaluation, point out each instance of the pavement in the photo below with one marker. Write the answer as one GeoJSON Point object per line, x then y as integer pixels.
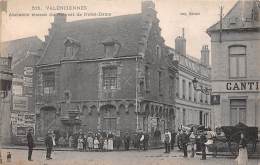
{"type": "Point", "coordinates": [133, 157]}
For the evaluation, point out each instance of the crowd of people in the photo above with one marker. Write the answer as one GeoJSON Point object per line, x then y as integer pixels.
{"type": "Point", "coordinates": [102, 141]}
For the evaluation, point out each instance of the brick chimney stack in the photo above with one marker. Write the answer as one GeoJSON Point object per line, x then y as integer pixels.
{"type": "Point", "coordinates": [180, 44]}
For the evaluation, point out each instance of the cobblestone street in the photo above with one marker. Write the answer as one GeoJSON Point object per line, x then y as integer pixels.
{"type": "Point", "coordinates": [152, 157]}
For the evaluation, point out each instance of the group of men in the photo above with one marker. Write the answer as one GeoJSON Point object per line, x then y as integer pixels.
{"type": "Point", "coordinates": [185, 138]}
{"type": "Point", "coordinates": [49, 143]}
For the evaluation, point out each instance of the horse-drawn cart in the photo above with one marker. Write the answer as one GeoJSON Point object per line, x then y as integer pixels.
{"type": "Point", "coordinates": [232, 137]}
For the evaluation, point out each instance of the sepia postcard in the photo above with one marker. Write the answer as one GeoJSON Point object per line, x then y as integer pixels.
{"type": "Point", "coordinates": [107, 82]}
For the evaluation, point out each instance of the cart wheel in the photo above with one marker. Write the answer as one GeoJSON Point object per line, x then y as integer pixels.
{"type": "Point", "coordinates": [233, 143]}
{"type": "Point", "coordinates": [179, 143]}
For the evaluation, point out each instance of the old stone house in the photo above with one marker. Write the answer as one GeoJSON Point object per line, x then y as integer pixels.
{"type": "Point", "coordinates": [110, 74]}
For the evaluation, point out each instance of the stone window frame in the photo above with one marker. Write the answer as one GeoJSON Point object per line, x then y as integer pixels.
{"type": "Point", "coordinates": [147, 78]}
{"type": "Point", "coordinates": [44, 81]}
{"type": "Point", "coordinates": [237, 64]}
{"type": "Point", "coordinates": [158, 51]}
{"type": "Point", "coordinates": [103, 65]}
{"type": "Point", "coordinates": [71, 45]}
{"type": "Point", "coordinates": [160, 82]}
{"type": "Point", "coordinates": [183, 89]}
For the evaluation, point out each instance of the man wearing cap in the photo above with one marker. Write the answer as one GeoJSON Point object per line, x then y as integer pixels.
{"type": "Point", "coordinates": [49, 145]}
{"type": "Point", "coordinates": [30, 144]}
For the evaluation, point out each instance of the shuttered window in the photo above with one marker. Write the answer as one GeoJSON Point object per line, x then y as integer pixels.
{"type": "Point", "coordinates": [237, 61]}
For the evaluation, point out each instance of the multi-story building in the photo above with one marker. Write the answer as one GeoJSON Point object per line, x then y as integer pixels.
{"type": "Point", "coordinates": [25, 54]}
{"type": "Point", "coordinates": [109, 74]}
{"type": "Point", "coordinates": [192, 107]}
{"type": "Point", "coordinates": [235, 51]}
{"type": "Point", "coordinates": [5, 98]}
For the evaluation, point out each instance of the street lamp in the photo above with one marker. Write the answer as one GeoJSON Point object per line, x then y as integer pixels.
{"type": "Point", "coordinates": [204, 90]}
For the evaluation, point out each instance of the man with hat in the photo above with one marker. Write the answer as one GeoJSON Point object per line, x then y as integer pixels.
{"type": "Point", "coordinates": [185, 140]}
{"type": "Point", "coordinates": [49, 144]}
{"type": "Point", "coordinates": [30, 144]}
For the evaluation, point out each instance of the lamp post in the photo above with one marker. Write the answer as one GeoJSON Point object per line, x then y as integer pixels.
{"type": "Point", "coordinates": [202, 89]}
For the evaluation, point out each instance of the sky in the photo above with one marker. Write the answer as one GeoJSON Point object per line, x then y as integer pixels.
{"type": "Point", "coordinates": [171, 14]}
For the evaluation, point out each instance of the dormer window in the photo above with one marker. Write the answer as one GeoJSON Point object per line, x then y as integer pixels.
{"type": "Point", "coordinates": [111, 47]}
{"type": "Point", "coordinates": [71, 47]}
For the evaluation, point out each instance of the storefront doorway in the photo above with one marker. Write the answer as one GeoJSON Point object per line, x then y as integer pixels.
{"type": "Point", "coordinates": [237, 111]}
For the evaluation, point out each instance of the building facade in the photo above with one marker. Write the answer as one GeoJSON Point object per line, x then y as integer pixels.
{"type": "Point", "coordinates": [192, 107]}
{"type": "Point", "coordinates": [25, 54]}
{"type": "Point", "coordinates": [235, 65]}
{"type": "Point", "coordinates": [5, 99]}
{"type": "Point", "coordinates": [110, 74]}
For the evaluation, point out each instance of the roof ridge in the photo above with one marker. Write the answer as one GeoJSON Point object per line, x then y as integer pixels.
{"type": "Point", "coordinates": [103, 18]}
{"type": "Point", "coordinates": [15, 40]}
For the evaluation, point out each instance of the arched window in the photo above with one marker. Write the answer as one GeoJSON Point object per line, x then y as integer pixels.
{"type": "Point", "coordinates": [237, 61]}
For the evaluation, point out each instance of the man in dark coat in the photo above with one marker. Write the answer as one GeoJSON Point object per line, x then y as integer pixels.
{"type": "Point", "coordinates": [203, 140]}
{"type": "Point", "coordinates": [173, 136]}
{"type": "Point", "coordinates": [146, 141]}
{"type": "Point", "coordinates": [30, 144]}
{"type": "Point", "coordinates": [49, 145]}
{"type": "Point", "coordinates": [185, 140]}
{"type": "Point", "coordinates": [127, 141]}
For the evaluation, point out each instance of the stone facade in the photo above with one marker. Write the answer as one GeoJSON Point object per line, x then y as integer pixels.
{"type": "Point", "coordinates": [116, 77]}
{"type": "Point", "coordinates": [192, 107]}
{"type": "Point", "coordinates": [25, 54]}
{"type": "Point", "coordinates": [5, 99]}
{"type": "Point", "coordinates": [235, 65]}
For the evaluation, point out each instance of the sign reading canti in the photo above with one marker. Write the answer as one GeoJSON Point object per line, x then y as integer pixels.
{"type": "Point", "coordinates": [243, 86]}
{"type": "Point", "coordinates": [237, 86]}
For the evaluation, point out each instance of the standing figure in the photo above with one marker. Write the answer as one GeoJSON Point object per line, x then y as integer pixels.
{"type": "Point", "coordinates": [192, 139]}
{"type": "Point", "coordinates": [185, 140]}
{"type": "Point", "coordinates": [105, 146]}
{"type": "Point", "coordinates": [146, 141]}
{"type": "Point", "coordinates": [118, 142]}
{"type": "Point", "coordinates": [127, 141]}
{"type": "Point", "coordinates": [49, 145]}
{"type": "Point", "coordinates": [80, 143]}
{"type": "Point", "coordinates": [203, 140]}
{"type": "Point", "coordinates": [30, 144]}
{"type": "Point", "coordinates": [242, 158]}
{"type": "Point", "coordinates": [141, 140]}
{"type": "Point", "coordinates": [90, 142]}
{"type": "Point", "coordinates": [101, 142]}
{"type": "Point", "coordinates": [96, 143]}
{"type": "Point", "coordinates": [85, 142]}
{"type": "Point", "coordinates": [70, 141]}
{"type": "Point", "coordinates": [173, 136]}
{"type": "Point", "coordinates": [167, 141]}
{"type": "Point", "coordinates": [110, 142]}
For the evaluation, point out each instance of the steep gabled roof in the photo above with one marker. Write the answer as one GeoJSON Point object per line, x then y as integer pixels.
{"type": "Point", "coordinates": [90, 33]}
{"type": "Point", "coordinates": [244, 14]}
{"type": "Point", "coordinates": [19, 48]}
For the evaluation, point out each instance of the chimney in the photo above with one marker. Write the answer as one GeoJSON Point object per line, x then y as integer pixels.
{"type": "Point", "coordinates": [204, 59]}
{"type": "Point", "coordinates": [148, 8]}
{"type": "Point", "coordinates": [180, 44]}
{"type": "Point", "coordinates": [59, 18]}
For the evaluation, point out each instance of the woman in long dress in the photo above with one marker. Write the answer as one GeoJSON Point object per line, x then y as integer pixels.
{"type": "Point", "coordinates": [90, 142]}
{"type": "Point", "coordinates": [242, 158]}
{"type": "Point", "coordinates": [96, 143]}
{"type": "Point", "coordinates": [80, 143]}
{"type": "Point", "coordinates": [110, 142]}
